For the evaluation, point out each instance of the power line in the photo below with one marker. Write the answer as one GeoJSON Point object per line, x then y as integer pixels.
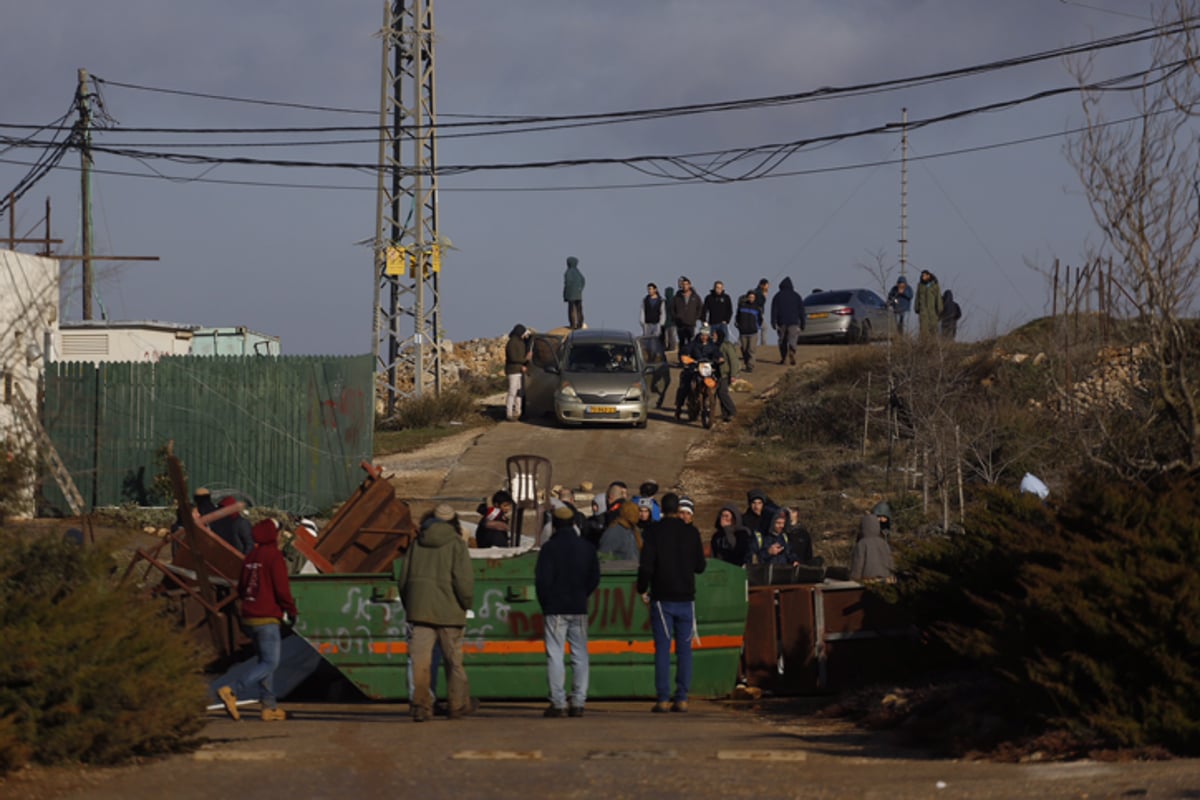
{"type": "Point", "coordinates": [609, 117]}
{"type": "Point", "coordinates": [753, 162]}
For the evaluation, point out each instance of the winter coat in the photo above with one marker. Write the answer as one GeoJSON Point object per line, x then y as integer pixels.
{"type": "Point", "coordinates": [566, 574]}
{"type": "Point", "coordinates": [755, 522]}
{"type": "Point", "coordinates": [769, 538]}
{"type": "Point", "coordinates": [515, 351]}
{"type": "Point", "coordinates": [652, 310]}
{"type": "Point", "coordinates": [685, 309]}
{"type": "Point", "coordinates": [718, 309]}
{"type": "Point", "coordinates": [263, 586]}
{"type": "Point", "coordinates": [731, 358]}
{"type": "Point", "coordinates": [437, 582]}
{"type": "Point", "coordinates": [901, 298]}
{"type": "Point", "coordinates": [929, 299]}
{"type": "Point", "coordinates": [731, 543]}
{"type": "Point", "coordinates": [573, 281]}
{"type": "Point", "coordinates": [951, 313]}
{"type": "Point", "coordinates": [800, 542]}
{"type": "Point", "coordinates": [872, 558]}
{"type": "Point", "coordinates": [671, 559]}
{"type": "Point", "coordinates": [749, 318]}
{"type": "Point", "coordinates": [618, 543]}
{"type": "Point", "coordinates": [788, 306]}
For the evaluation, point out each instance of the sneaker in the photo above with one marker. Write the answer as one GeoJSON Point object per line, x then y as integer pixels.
{"type": "Point", "coordinates": [225, 693]}
{"type": "Point", "coordinates": [679, 706]}
{"type": "Point", "coordinates": [661, 707]}
{"type": "Point", "coordinates": [554, 712]}
{"type": "Point", "coordinates": [575, 711]}
{"type": "Point", "coordinates": [274, 715]}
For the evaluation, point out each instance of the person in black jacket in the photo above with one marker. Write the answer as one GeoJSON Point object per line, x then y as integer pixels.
{"type": "Point", "coordinates": [717, 311]}
{"type": "Point", "coordinates": [566, 574]}
{"type": "Point", "coordinates": [787, 318]}
{"type": "Point", "coordinates": [671, 559]}
{"type": "Point", "coordinates": [731, 541]}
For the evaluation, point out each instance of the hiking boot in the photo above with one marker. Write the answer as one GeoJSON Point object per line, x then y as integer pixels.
{"type": "Point", "coordinates": [660, 707]}
{"type": "Point", "coordinates": [470, 708]}
{"type": "Point", "coordinates": [679, 706]}
{"type": "Point", "coordinates": [554, 712]}
{"type": "Point", "coordinates": [575, 711]}
{"type": "Point", "coordinates": [274, 715]}
{"type": "Point", "coordinates": [421, 715]}
{"type": "Point", "coordinates": [225, 693]}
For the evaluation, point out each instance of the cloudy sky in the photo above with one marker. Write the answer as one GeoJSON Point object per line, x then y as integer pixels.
{"type": "Point", "coordinates": [284, 250]}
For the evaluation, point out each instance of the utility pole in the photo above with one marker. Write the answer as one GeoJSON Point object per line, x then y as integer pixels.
{"type": "Point", "coordinates": [904, 191]}
{"type": "Point", "coordinates": [83, 140]}
{"type": "Point", "coordinates": [407, 252]}
{"type": "Point", "coordinates": [84, 130]}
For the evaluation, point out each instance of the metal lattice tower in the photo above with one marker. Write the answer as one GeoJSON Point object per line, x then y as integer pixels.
{"type": "Point", "coordinates": [405, 333]}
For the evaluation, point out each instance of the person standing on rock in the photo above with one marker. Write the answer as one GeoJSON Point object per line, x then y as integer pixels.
{"type": "Point", "coordinates": [573, 283]}
{"type": "Point", "coordinates": [672, 557]}
{"type": "Point", "coordinates": [566, 574]}
{"type": "Point", "coordinates": [516, 365]}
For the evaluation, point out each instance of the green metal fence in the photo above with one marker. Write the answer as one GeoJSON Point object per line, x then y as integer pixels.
{"type": "Point", "coordinates": [286, 432]}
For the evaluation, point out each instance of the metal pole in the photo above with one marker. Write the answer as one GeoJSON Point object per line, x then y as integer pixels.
{"type": "Point", "coordinates": [904, 191]}
{"type": "Point", "coordinates": [85, 189]}
{"type": "Point", "coordinates": [12, 220]}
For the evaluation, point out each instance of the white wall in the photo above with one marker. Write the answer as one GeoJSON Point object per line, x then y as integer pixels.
{"type": "Point", "coordinates": [28, 322]}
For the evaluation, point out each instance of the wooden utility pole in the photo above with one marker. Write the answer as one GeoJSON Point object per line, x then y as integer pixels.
{"type": "Point", "coordinates": [83, 129]}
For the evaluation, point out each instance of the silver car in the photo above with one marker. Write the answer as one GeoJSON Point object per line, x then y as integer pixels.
{"type": "Point", "coordinates": [845, 315]}
{"type": "Point", "coordinates": [595, 376]}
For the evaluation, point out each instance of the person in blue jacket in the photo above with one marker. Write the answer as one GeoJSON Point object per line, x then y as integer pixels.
{"type": "Point", "coordinates": [899, 299]}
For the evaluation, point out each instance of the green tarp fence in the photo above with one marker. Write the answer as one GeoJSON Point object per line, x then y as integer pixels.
{"type": "Point", "coordinates": [285, 432]}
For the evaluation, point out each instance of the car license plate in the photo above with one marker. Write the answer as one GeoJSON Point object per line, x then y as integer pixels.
{"type": "Point", "coordinates": [601, 410]}
{"type": "Point", "coordinates": [818, 315]}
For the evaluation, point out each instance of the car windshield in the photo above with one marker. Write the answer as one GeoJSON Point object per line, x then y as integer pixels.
{"type": "Point", "coordinates": [827, 298]}
{"type": "Point", "coordinates": [601, 357]}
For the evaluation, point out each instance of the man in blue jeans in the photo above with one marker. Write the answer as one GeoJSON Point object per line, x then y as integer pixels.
{"type": "Point", "coordinates": [266, 600]}
{"type": "Point", "coordinates": [567, 572]}
{"type": "Point", "coordinates": [672, 557]}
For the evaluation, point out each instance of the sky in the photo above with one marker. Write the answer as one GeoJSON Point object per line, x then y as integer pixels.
{"type": "Point", "coordinates": [294, 260]}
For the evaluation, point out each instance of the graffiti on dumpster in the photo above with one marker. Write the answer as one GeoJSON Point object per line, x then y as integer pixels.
{"type": "Point", "coordinates": [610, 608]}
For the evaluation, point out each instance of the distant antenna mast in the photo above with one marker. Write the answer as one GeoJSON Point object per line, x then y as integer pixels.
{"type": "Point", "coordinates": [904, 191]}
{"type": "Point", "coordinates": [407, 257]}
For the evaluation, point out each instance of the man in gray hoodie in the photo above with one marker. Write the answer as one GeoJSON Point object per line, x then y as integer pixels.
{"type": "Point", "coordinates": [872, 558]}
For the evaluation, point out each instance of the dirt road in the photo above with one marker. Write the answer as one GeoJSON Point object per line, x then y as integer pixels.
{"type": "Point", "coordinates": [616, 750]}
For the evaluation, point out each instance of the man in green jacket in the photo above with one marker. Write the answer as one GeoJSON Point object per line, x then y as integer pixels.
{"type": "Point", "coordinates": [929, 304]}
{"type": "Point", "coordinates": [437, 587]}
{"type": "Point", "coordinates": [573, 282]}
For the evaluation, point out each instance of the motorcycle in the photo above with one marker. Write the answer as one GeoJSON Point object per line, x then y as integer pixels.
{"type": "Point", "coordinates": [702, 395]}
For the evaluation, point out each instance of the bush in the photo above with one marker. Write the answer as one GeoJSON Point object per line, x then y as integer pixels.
{"type": "Point", "coordinates": [433, 410]}
{"type": "Point", "coordinates": [90, 671]}
{"type": "Point", "coordinates": [804, 413]}
{"type": "Point", "coordinates": [1088, 614]}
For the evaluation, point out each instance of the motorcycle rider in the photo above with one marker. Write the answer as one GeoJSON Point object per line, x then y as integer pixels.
{"type": "Point", "coordinates": [703, 348]}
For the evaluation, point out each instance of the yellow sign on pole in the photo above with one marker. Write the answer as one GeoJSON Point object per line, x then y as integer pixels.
{"type": "Point", "coordinates": [435, 258]}
{"type": "Point", "coordinates": [397, 261]}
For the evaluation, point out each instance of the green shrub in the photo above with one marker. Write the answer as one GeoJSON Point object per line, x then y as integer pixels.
{"type": "Point", "coordinates": [804, 413]}
{"type": "Point", "coordinates": [90, 671]}
{"type": "Point", "coordinates": [1088, 613]}
{"type": "Point", "coordinates": [433, 410]}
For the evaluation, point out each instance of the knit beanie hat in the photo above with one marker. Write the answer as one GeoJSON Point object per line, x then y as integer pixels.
{"type": "Point", "coordinates": [443, 512]}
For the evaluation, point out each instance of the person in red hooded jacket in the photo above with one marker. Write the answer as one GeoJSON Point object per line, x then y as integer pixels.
{"type": "Point", "coordinates": [266, 598]}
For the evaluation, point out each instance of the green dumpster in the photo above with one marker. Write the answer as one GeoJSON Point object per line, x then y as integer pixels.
{"type": "Point", "coordinates": [357, 623]}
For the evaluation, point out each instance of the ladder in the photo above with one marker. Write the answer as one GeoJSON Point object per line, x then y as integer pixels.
{"type": "Point", "coordinates": [48, 452]}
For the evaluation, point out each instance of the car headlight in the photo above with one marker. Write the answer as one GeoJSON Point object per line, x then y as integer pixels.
{"type": "Point", "coordinates": [567, 391]}
{"type": "Point", "coordinates": [634, 393]}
